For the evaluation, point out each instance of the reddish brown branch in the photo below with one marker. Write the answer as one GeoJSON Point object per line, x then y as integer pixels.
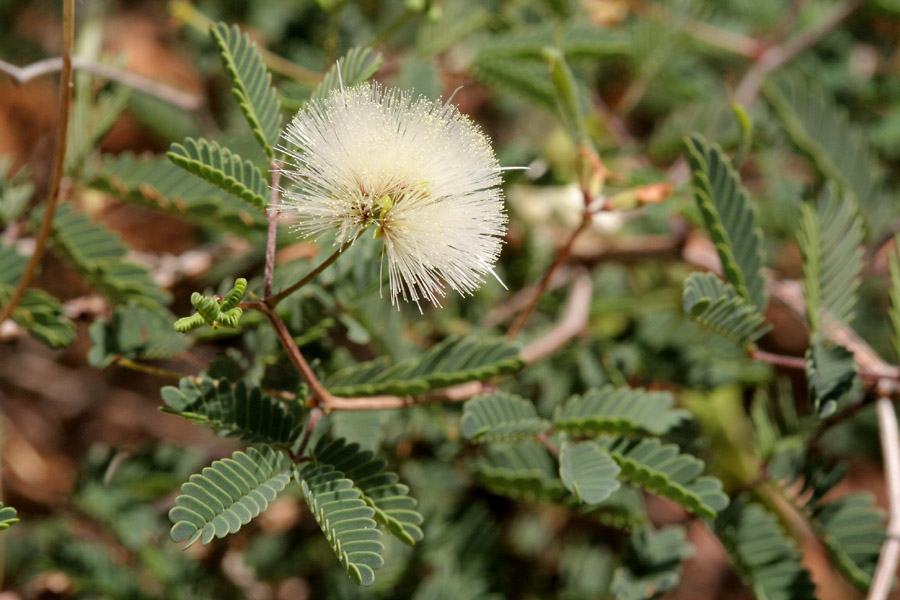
{"type": "Point", "coordinates": [59, 161]}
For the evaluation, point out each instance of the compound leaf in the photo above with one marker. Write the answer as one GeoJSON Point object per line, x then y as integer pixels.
{"type": "Point", "coordinates": [354, 68]}
{"type": "Point", "coordinates": [251, 84]}
{"type": "Point", "coordinates": [618, 411]}
{"type": "Point", "coordinates": [717, 305]}
{"type": "Point", "coordinates": [222, 168]}
{"type": "Point", "coordinates": [587, 472]}
{"type": "Point", "coordinates": [500, 416]}
{"type": "Point", "coordinates": [228, 494]}
{"type": "Point", "coordinates": [345, 519]}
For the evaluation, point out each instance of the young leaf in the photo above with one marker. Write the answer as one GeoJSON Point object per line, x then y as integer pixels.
{"type": "Point", "coordinates": [8, 517]}
{"type": "Point", "coordinates": [661, 469]}
{"type": "Point", "coordinates": [730, 219]}
{"type": "Point", "coordinates": [394, 508]}
{"type": "Point", "coordinates": [717, 305]}
{"type": "Point", "coordinates": [618, 411]}
{"type": "Point", "coordinates": [355, 67]}
{"type": "Point", "coordinates": [251, 84]}
{"type": "Point", "coordinates": [222, 168]}
{"type": "Point", "coordinates": [500, 416]}
{"type": "Point", "coordinates": [227, 494]}
{"type": "Point", "coordinates": [448, 363]}
{"type": "Point", "coordinates": [233, 410]}
{"type": "Point", "coordinates": [830, 239]}
{"type": "Point", "coordinates": [345, 519]}
{"type": "Point", "coordinates": [587, 472]}
{"type": "Point", "coordinates": [766, 558]}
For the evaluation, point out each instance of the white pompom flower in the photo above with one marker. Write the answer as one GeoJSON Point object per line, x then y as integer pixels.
{"type": "Point", "coordinates": [418, 172]}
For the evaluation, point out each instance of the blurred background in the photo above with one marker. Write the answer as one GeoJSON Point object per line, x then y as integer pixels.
{"type": "Point", "coordinates": [92, 465]}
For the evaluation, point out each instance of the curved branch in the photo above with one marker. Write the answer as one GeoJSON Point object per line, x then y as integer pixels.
{"type": "Point", "coordinates": [159, 90]}
{"type": "Point", "coordinates": [62, 135]}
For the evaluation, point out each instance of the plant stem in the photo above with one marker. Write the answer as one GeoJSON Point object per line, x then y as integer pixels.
{"type": "Point", "coordinates": [561, 257]}
{"type": "Point", "coordinates": [62, 134]}
{"type": "Point", "coordinates": [273, 300]}
{"type": "Point", "coordinates": [799, 363]}
{"type": "Point", "coordinates": [883, 577]}
{"type": "Point", "coordinates": [181, 99]}
{"type": "Point", "coordinates": [321, 395]}
{"type": "Point", "coordinates": [136, 366]}
{"type": "Point", "coordinates": [272, 237]}
{"type": "Point", "coordinates": [314, 416]}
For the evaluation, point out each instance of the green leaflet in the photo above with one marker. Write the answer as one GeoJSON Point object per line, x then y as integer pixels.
{"type": "Point", "coordinates": [158, 184]}
{"type": "Point", "coordinates": [393, 507]}
{"type": "Point", "coordinates": [662, 469]}
{"type": "Point", "coordinates": [500, 416]}
{"type": "Point", "coordinates": [830, 371]}
{"type": "Point", "coordinates": [651, 563]}
{"type": "Point", "coordinates": [528, 79]}
{"type": "Point", "coordinates": [838, 149]}
{"type": "Point", "coordinates": [618, 411]}
{"type": "Point", "coordinates": [222, 168]}
{"type": "Point", "coordinates": [522, 470]}
{"type": "Point", "coordinates": [831, 241]}
{"type": "Point", "coordinates": [717, 305]}
{"type": "Point", "coordinates": [234, 410]}
{"type": "Point", "coordinates": [135, 332]}
{"type": "Point", "coordinates": [8, 517]}
{"type": "Point", "coordinates": [354, 68]}
{"type": "Point", "coordinates": [730, 219]}
{"type": "Point", "coordinates": [448, 363]}
{"type": "Point", "coordinates": [587, 472]}
{"type": "Point", "coordinates": [251, 84]}
{"type": "Point", "coordinates": [766, 558]}
{"type": "Point", "coordinates": [98, 254]}
{"type": "Point", "coordinates": [228, 494]}
{"type": "Point", "coordinates": [345, 519]}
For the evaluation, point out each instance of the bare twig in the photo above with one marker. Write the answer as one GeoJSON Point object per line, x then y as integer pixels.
{"type": "Point", "coordinates": [799, 363]}
{"type": "Point", "coordinates": [315, 415]}
{"type": "Point", "coordinates": [321, 395]}
{"type": "Point", "coordinates": [149, 369]}
{"type": "Point", "coordinates": [890, 451]}
{"type": "Point", "coordinates": [272, 239]}
{"type": "Point", "coordinates": [561, 256]}
{"type": "Point", "coordinates": [53, 197]}
{"type": "Point", "coordinates": [571, 323]}
{"type": "Point", "coordinates": [780, 54]}
{"type": "Point", "coordinates": [274, 299]}
{"type": "Point", "coordinates": [179, 98]}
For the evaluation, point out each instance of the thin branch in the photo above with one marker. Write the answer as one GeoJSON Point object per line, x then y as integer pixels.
{"type": "Point", "coordinates": [62, 134]}
{"type": "Point", "coordinates": [561, 257]}
{"type": "Point", "coordinates": [571, 323]}
{"type": "Point", "coordinates": [179, 98]}
{"type": "Point", "coordinates": [315, 415]}
{"type": "Point", "coordinates": [778, 55]}
{"type": "Point", "coordinates": [150, 370]}
{"type": "Point", "coordinates": [272, 238]}
{"type": "Point", "coordinates": [321, 395]}
{"type": "Point", "coordinates": [274, 299]}
{"type": "Point", "coordinates": [890, 451]}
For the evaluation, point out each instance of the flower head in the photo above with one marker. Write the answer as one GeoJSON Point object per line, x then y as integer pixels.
{"type": "Point", "coordinates": [418, 172]}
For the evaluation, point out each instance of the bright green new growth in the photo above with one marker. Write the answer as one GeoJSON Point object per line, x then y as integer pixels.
{"type": "Point", "coordinates": [222, 168]}
{"type": "Point", "coordinates": [251, 84]}
{"type": "Point", "coordinates": [228, 494]}
{"type": "Point", "coordinates": [214, 312]}
{"type": "Point", "coordinates": [8, 517]}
